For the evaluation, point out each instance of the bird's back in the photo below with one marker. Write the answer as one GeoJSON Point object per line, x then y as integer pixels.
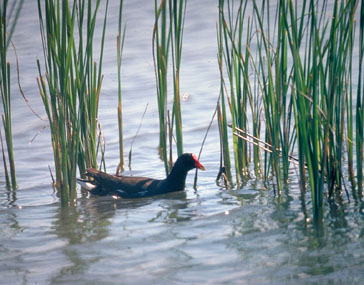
{"type": "Point", "coordinates": [124, 186]}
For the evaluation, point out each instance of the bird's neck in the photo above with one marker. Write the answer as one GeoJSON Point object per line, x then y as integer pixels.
{"type": "Point", "coordinates": [177, 178]}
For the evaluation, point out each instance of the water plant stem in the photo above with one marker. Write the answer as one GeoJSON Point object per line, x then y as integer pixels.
{"type": "Point", "coordinates": [119, 48]}
{"type": "Point", "coordinates": [6, 32]}
{"type": "Point", "coordinates": [168, 35]}
{"type": "Point", "coordinates": [299, 79]}
{"type": "Point", "coordinates": [70, 87]}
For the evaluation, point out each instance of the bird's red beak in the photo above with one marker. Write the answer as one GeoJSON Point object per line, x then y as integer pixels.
{"type": "Point", "coordinates": [197, 163]}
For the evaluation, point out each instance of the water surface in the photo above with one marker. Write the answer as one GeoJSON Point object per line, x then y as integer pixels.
{"type": "Point", "coordinates": [210, 235]}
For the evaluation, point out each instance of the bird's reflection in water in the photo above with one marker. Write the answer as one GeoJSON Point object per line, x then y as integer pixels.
{"type": "Point", "coordinates": [90, 218]}
{"type": "Point", "coordinates": [167, 208]}
{"type": "Point", "coordinates": [176, 207]}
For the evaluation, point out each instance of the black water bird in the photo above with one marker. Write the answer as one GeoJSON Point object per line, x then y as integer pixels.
{"type": "Point", "coordinates": [101, 183]}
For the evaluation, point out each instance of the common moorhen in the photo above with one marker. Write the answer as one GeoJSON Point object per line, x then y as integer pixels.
{"type": "Point", "coordinates": [102, 183]}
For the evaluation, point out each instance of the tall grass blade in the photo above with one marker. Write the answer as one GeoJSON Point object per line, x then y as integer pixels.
{"type": "Point", "coordinates": [297, 83]}
{"type": "Point", "coordinates": [70, 87]}
{"type": "Point", "coordinates": [119, 48]}
{"type": "Point", "coordinates": [360, 107]}
{"type": "Point", "coordinates": [161, 39]}
{"type": "Point", "coordinates": [7, 28]}
{"type": "Point", "coordinates": [221, 104]}
{"type": "Point", "coordinates": [167, 36]}
{"type": "Point", "coordinates": [177, 11]}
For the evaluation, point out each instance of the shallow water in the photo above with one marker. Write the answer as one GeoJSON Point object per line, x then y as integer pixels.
{"type": "Point", "coordinates": [206, 236]}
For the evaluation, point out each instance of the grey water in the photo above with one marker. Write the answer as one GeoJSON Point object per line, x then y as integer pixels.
{"type": "Point", "coordinates": [209, 235]}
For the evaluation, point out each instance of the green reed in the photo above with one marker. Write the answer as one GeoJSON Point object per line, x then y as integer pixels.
{"type": "Point", "coordinates": [237, 95]}
{"type": "Point", "coordinates": [300, 78]}
{"type": "Point", "coordinates": [360, 107]}
{"type": "Point", "coordinates": [177, 10]}
{"type": "Point", "coordinates": [120, 46]}
{"type": "Point", "coordinates": [266, 89]}
{"type": "Point", "coordinates": [221, 110]}
{"type": "Point", "coordinates": [321, 91]}
{"type": "Point", "coordinates": [70, 87]}
{"type": "Point", "coordinates": [168, 35]}
{"type": "Point", "coordinates": [8, 19]}
{"type": "Point", "coordinates": [160, 53]}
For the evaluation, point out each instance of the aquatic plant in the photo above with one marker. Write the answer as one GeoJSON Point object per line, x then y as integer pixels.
{"type": "Point", "coordinates": [70, 86]}
{"type": "Point", "coordinates": [8, 20]}
{"type": "Point", "coordinates": [119, 48]}
{"type": "Point", "coordinates": [299, 79]}
{"type": "Point", "coordinates": [249, 95]}
{"type": "Point", "coordinates": [168, 36]}
{"type": "Point", "coordinates": [225, 163]}
{"type": "Point", "coordinates": [177, 10]}
{"type": "Point", "coordinates": [360, 107]}
{"type": "Point", "coordinates": [321, 91]}
{"type": "Point", "coordinates": [160, 57]}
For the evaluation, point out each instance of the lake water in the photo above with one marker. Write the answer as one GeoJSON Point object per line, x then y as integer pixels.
{"type": "Point", "coordinates": [212, 235]}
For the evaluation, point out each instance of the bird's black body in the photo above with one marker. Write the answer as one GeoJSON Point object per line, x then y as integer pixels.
{"type": "Point", "coordinates": [102, 183]}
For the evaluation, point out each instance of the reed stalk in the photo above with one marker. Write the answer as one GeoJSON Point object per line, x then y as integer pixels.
{"type": "Point", "coordinates": [177, 11]}
{"type": "Point", "coordinates": [167, 36]}
{"type": "Point", "coordinates": [70, 87]}
{"type": "Point", "coordinates": [271, 72]}
{"type": "Point", "coordinates": [119, 48]}
{"type": "Point", "coordinates": [360, 107]}
{"type": "Point", "coordinates": [237, 92]}
{"type": "Point", "coordinates": [161, 39]}
{"type": "Point", "coordinates": [221, 108]}
{"type": "Point", "coordinates": [271, 94]}
{"type": "Point", "coordinates": [302, 70]}
{"type": "Point", "coordinates": [6, 31]}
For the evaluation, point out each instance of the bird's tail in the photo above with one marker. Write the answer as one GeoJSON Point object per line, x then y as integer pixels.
{"type": "Point", "coordinates": [86, 184]}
